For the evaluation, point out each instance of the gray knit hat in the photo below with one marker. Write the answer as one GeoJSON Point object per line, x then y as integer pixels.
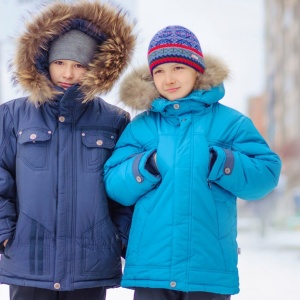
{"type": "Point", "coordinates": [73, 45]}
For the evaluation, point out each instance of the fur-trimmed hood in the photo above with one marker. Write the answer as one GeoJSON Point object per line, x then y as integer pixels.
{"type": "Point", "coordinates": [30, 66]}
{"type": "Point", "coordinates": [138, 91]}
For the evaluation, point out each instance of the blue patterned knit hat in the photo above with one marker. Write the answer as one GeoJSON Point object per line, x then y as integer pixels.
{"type": "Point", "coordinates": [175, 44]}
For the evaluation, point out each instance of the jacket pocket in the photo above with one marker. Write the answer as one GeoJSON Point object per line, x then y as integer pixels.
{"type": "Point", "coordinates": [28, 252]}
{"type": "Point", "coordinates": [102, 248]}
{"type": "Point", "coordinates": [33, 147]}
{"type": "Point", "coordinates": [98, 147]}
{"type": "Point", "coordinates": [226, 211]}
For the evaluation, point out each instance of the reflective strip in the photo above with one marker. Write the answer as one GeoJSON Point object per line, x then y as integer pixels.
{"type": "Point", "coordinates": [32, 248]}
{"type": "Point", "coordinates": [229, 163]}
{"type": "Point", "coordinates": [135, 168]}
{"type": "Point", "coordinates": [40, 250]}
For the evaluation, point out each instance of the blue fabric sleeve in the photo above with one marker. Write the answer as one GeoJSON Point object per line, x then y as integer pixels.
{"type": "Point", "coordinates": [126, 176]}
{"type": "Point", "coordinates": [249, 169]}
{"type": "Point", "coordinates": [7, 181]}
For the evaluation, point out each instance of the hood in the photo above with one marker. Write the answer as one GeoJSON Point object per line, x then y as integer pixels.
{"type": "Point", "coordinates": [30, 66]}
{"type": "Point", "coordinates": [138, 91]}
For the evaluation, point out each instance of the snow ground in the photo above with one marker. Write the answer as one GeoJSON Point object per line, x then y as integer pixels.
{"type": "Point", "coordinates": [269, 267]}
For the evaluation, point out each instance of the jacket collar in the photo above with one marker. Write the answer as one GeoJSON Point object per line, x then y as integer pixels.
{"type": "Point", "coordinates": [197, 102]}
{"type": "Point", "coordinates": [68, 103]}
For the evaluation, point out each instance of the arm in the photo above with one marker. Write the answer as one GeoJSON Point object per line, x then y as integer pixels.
{"type": "Point", "coordinates": [249, 169]}
{"type": "Point", "coordinates": [127, 175]}
{"type": "Point", "coordinates": [7, 180]}
{"type": "Point", "coordinates": [121, 217]}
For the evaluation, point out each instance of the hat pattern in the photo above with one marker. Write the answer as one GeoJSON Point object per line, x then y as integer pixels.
{"type": "Point", "coordinates": [175, 44]}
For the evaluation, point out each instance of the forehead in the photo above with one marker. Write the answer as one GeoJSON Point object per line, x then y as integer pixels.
{"type": "Point", "coordinates": [169, 65]}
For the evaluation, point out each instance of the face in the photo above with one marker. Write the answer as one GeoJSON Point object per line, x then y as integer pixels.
{"type": "Point", "coordinates": [173, 80]}
{"type": "Point", "coordinates": [65, 73]}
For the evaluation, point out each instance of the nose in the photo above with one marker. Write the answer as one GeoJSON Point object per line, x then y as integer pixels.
{"type": "Point", "coordinates": [169, 79]}
{"type": "Point", "coordinates": [68, 72]}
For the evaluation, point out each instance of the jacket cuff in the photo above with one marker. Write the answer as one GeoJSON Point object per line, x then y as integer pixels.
{"type": "Point", "coordinates": [151, 166]}
{"type": "Point", "coordinates": [223, 163]}
{"type": "Point", "coordinates": [140, 171]}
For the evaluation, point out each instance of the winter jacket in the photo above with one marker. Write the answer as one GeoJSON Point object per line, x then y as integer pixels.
{"type": "Point", "coordinates": [184, 227]}
{"type": "Point", "coordinates": [63, 232]}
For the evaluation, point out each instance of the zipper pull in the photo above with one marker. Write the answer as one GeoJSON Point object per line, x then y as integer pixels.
{"type": "Point", "coordinates": [208, 183]}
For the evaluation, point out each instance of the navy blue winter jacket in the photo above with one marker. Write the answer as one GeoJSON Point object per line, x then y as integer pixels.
{"type": "Point", "coordinates": [63, 232]}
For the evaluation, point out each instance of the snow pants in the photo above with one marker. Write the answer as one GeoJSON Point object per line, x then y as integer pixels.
{"type": "Point", "coordinates": [32, 293]}
{"type": "Point", "coordinates": [164, 294]}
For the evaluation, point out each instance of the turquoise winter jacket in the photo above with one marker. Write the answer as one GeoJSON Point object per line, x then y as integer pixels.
{"type": "Point", "coordinates": [184, 228]}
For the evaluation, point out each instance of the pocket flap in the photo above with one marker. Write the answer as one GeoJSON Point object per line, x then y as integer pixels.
{"type": "Point", "coordinates": [99, 139]}
{"type": "Point", "coordinates": [32, 135]}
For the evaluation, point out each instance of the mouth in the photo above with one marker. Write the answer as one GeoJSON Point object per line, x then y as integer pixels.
{"type": "Point", "coordinates": [172, 90]}
{"type": "Point", "coordinates": [65, 85]}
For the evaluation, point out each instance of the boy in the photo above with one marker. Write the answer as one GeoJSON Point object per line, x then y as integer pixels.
{"type": "Point", "coordinates": [183, 163]}
{"type": "Point", "coordinates": [60, 237]}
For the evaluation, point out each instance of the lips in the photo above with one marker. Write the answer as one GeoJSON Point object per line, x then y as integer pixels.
{"type": "Point", "coordinates": [65, 85]}
{"type": "Point", "coordinates": [172, 90]}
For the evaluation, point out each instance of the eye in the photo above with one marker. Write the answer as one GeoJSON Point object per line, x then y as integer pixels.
{"type": "Point", "coordinates": [58, 62]}
{"type": "Point", "coordinates": [156, 72]}
{"type": "Point", "coordinates": [178, 68]}
{"type": "Point", "coordinates": [80, 66]}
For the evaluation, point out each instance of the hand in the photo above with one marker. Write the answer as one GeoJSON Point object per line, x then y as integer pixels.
{"type": "Point", "coordinates": [5, 243]}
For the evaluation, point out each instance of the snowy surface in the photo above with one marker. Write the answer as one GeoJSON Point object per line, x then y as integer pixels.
{"type": "Point", "coordinates": [269, 267]}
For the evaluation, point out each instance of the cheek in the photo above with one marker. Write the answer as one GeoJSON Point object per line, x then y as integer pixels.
{"type": "Point", "coordinates": [81, 74]}
{"type": "Point", "coordinates": [157, 83]}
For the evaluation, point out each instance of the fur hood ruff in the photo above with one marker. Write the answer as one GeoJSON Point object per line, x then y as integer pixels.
{"type": "Point", "coordinates": [30, 66]}
{"type": "Point", "coordinates": [138, 91]}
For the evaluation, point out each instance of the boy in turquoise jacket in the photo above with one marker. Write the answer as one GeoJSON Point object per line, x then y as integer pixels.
{"type": "Point", "coordinates": [183, 162]}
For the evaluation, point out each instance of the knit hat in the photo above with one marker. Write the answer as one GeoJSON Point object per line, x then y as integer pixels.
{"type": "Point", "coordinates": [73, 45]}
{"type": "Point", "coordinates": [175, 44]}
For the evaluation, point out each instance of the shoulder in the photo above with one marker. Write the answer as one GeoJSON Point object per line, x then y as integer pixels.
{"type": "Point", "coordinates": [111, 109]}
{"type": "Point", "coordinates": [144, 125]}
{"type": "Point", "coordinates": [223, 114]}
{"type": "Point", "coordinates": [148, 118]}
{"type": "Point", "coordinates": [15, 105]}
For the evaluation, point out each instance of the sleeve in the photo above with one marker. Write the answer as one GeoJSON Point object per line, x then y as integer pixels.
{"type": "Point", "coordinates": [121, 217]}
{"type": "Point", "coordinates": [249, 169]}
{"type": "Point", "coordinates": [7, 177]}
{"type": "Point", "coordinates": [126, 173]}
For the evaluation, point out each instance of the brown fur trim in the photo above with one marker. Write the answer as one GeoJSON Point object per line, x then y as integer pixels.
{"type": "Point", "coordinates": [108, 64]}
{"type": "Point", "coordinates": [137, 89]}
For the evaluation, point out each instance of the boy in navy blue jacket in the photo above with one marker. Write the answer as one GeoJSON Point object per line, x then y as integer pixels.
{"type": "Point", "coordinates": [61, 237]}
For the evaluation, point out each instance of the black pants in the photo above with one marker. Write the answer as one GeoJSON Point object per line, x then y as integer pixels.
{"type": "Point", "coordinates": [31, 293]}
{"type": "Point", "coordinates": [164, 294]}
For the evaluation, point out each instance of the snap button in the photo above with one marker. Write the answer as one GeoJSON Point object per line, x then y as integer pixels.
{"type": "Point", "coordinates": [83, 134]}
{"type": "Point", "coordinates": [138, 178]}
{"type": "Point", "coordinates": [33, 136]}
{"type": "Point", "coordinates": [227, 171]}
{"type": "Point", "coordinates": [176, 106]}
{"type": "Point", "coordinates": [61, 119]}
{"type": "Point", "coordinates": [57, 286]}
{"type": "Point", "coordinates": [172, 284]}
{"type": "Point", "coordinates": [99, 143]}
{"type": "Point", "coordinates": [20, 132]}
{"type": "Point", "coordinates": [49, 132]}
